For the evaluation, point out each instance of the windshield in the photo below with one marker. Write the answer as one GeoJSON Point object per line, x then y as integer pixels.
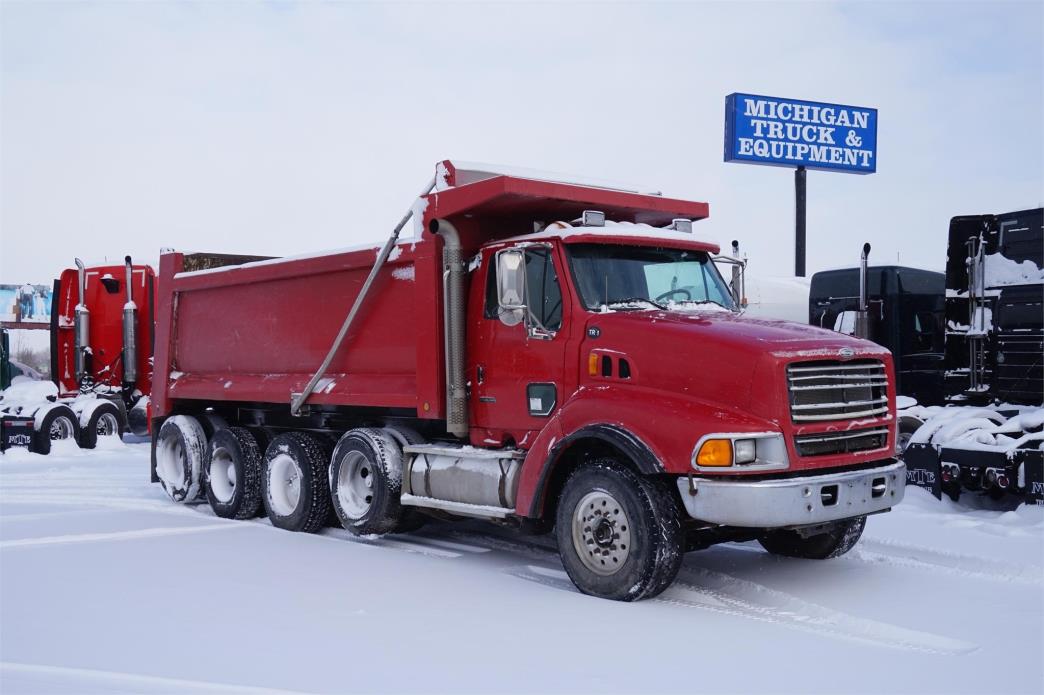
{"type": "Point", "coordinates": [609, 275]}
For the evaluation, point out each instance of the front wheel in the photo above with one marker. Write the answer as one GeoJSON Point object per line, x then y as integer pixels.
{"type": "Point", "coordinates": [618, 533]}
{"type": "Point", "coordinates": [835, 541]}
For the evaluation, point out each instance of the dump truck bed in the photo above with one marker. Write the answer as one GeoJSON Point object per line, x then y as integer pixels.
{"type": "Point", "coordinates": [257, 332]}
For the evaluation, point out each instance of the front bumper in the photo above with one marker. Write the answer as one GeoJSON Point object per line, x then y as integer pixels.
{"type": "Point", "coordinates": [799, 501]}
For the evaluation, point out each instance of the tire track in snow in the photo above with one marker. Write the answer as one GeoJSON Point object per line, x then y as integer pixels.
{"type": "Point", "coordinates": [732, 596]}
{"type": "Point", "coordinates": [897, 553]}
{"type": "Point", "coordinates": [132, 681]}
{"type": "Point", "coordinates": [703, 588]}
{"type": "Point", "coordinates": [117, 535]}
{"type": "Point", "coordinates": [386, 542]}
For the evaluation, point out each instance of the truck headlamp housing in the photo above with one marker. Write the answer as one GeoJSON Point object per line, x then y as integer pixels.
{"type": "Point", "coordinates": [746, 450]}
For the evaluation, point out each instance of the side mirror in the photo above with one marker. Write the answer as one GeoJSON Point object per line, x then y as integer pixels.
{"type": "Point", "coordinates": [511, 286]}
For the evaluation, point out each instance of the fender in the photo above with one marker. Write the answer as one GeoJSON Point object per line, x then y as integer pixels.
{"type": "Point", "coordinates": [656, 430]}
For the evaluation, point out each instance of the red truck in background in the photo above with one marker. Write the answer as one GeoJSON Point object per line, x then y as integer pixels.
{"type": "Point", "coordinates": [545, 354]}
{"type": "Point", "coordinates": [101, 360]}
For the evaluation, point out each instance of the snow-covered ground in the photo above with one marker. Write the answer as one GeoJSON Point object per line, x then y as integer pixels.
{"type": "Point", "coordinates": [106, 586]}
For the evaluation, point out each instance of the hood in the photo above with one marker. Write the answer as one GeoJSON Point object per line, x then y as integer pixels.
{"type": "Point", "coordinates": [717, 356]}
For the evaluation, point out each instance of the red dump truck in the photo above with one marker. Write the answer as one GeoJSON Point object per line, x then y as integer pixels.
{"type": "Point", "coordinates": [552, 355]}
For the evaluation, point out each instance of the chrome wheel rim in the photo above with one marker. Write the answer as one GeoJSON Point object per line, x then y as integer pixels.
{"type": "Point", "coordinates": [61, 428]}
{"type": "Point", "coordinates": [284, 484]}
{"type": "Point", "coordinates": [222, 475]}
{"type": "Point", "coordinates": [355, 485]}
{"type": "Point", "coordinates": [107, 425]}
{"type": "Point", "coordinates": [601, 533]}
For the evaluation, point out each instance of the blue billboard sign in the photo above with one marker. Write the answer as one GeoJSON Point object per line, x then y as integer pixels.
{"type": "Point", "coordinates": [793, 133]}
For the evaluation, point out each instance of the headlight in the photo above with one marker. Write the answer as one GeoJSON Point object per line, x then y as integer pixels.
{"type": "Point", "coordinates": [745, 450]}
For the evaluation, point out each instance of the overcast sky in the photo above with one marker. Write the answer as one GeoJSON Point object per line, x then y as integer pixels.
{"type": "Point", "coordinates": [282, 128]}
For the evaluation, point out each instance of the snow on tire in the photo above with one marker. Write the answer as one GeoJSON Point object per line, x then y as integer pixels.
{"type": "Point", "coordinates": [835, 541]}
{"type": "Point", "coordinates": [105, 420]}
{"type": "Point", "coordinates": [57, 423]}
{"type": "Point", "coordinates": [180, 452]}
{"type": "Point", "coordinates": [619, 533]}
{"type": "Point", "coordinates": [295, 487]}
{"type": "Point", "coordinates": [232, 474]}
{"type": "Point", "coordinates": [366, 481]}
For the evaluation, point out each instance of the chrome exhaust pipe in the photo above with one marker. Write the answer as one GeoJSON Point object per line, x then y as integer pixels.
{"type": "Point", "coordinates": [862, 327]}
{"type": "Point", "coordinates": [454, 307]}
{"type": "Point", "coordinates": [82, 325]}
{"type": "Point", "coordinates": [130, 330]}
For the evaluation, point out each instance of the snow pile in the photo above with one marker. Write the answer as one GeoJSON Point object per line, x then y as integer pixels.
{"type": "Point", "coordinates": [1001, 271]}
{"type": "Point", "coordinates": [983, 429]}
{"type": "Point", "coordinates": [26, 394]}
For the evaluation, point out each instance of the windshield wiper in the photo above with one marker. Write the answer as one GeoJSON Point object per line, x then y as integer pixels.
{"type": "Point", "coordinates": [704, 301]}
{"type": "Point", "coordinates": [635, 300]}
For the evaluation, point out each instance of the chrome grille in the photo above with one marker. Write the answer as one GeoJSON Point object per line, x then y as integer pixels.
{"type": "Point", "coordinates": [830, 390]}
{"type": "Point", "coordinates": [841, 442]}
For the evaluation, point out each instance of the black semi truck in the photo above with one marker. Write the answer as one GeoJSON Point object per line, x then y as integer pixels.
{"type": "Point", "coordinates": [970, 339]}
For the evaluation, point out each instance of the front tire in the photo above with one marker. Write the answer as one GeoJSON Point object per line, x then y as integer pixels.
{"type": "Point", "coordinates": [834, 542]}
{"type": "Point", "coordinates": [296, 490]}
{"type": "Point", "coordinates": [618, 533]}
{"type": "Point", "coordinates": [233, 474]}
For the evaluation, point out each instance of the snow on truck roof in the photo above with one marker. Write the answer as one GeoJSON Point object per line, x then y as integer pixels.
{"type": "Point", "coordinates": [615, 230]}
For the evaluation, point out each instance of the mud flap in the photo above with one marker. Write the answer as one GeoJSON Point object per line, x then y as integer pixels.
{"type": "Point", "coordinates": [923, 469]}
{"type": "Point", "coordinates": [16, 432]}
{"type": "Point", "coordinates": [1030, 463]}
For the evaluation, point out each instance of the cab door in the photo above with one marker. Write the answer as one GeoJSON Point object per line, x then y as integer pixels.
{"type": "Point", "coordinates": [518, 376]}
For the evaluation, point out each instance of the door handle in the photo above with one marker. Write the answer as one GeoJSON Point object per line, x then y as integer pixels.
{"type": "Point", "coordinates": [480, 374]}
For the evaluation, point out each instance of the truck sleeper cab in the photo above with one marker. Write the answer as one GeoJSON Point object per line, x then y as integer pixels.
{"type": "Point", "coordinates": [581, 376]}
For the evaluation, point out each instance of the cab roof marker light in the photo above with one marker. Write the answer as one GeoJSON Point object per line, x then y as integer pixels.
{"type": "Point", "coordinates": [682, 225]}
{"type": "Point", "coordinates": [593, 218]}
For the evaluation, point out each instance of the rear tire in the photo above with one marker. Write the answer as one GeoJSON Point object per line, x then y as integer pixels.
{"type": "Point", "coordinates": [106, 420]}
{"type": "Point", "coordinates": [618, 533]}
{"type": "Point", "coordinates": [295, 486]}
{"type": "Point", "coordinates": [233, 474]}
{"type": "Point", "coordinates": [832, 543]}
{"type": "Point", "coordinates": [181, 448]}
{"type": "Point", "coordinates": [366, 481]}
{"type": "Point", "coordinates": [59, 423]}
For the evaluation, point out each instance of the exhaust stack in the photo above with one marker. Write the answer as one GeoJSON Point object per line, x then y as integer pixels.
{"type": "Point", "coordinates": [739, 289]}
{"type": "Point", "coordinates": [454, 308]}
{"type": "Point", "coordinates": [862, 327]}
{"type": "Point", "coordinates": [82, 326]}
{"type": "Point", "coordinates": [130, 331]}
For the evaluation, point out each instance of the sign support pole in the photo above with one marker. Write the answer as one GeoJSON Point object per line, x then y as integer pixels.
{"type": "Point", "coordinates": [799, 222]}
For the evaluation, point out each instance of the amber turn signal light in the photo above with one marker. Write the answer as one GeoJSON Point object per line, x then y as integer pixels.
{"type": "Point", "coordinates": [592, 364]}
{"type": "Point", "coordinates": [715, 452]}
